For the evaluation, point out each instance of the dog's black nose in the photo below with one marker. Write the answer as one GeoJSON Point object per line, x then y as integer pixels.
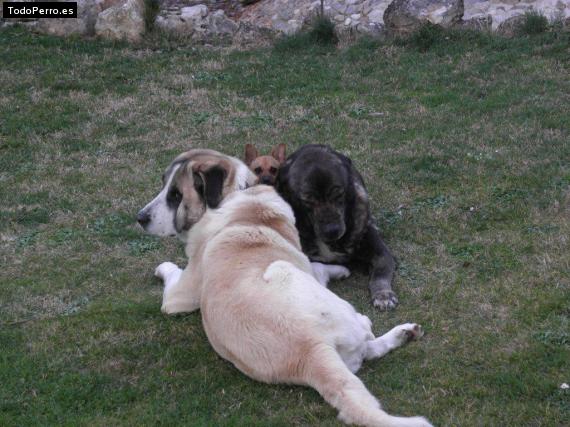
{"type": "Point", "coordinates": [143, 218]}
{"type": "Point", "coordinates": [267, 180]}
{"type": "Point", "coordinates": [331, 231]}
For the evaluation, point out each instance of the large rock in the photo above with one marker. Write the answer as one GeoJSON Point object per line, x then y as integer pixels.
{"type": "Point", "coordinates": [219, 24]}
{"type": "Point", "coordinates": [403, 17]}
{"type": "Point", "coordinates": [511, 27]}
{"type": "Point", "coordinates": [87, 11]}
{"type": "Point", "coordinates": [124, 21]}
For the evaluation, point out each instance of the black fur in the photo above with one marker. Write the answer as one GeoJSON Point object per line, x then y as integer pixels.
{"type": "Point", "coordinates": [213, 185]}
{"type": "Point", "coordinates": [333, 217]}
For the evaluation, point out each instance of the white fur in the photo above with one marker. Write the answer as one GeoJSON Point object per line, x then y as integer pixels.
{"type": "Point", "coordinates": [244, 177]}
{"type": "Point", "coordinates": [267, 314]}
{"type": "Point", "coordinates": [162, 217]}
{"type": "Point", "coordinates": [325, 272]}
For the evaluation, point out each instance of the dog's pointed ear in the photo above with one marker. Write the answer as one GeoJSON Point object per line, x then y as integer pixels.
{"type": "Point", "coordinates": [250, 154]}
{"type": "Point", "coordinates": [278, 153]}
{"type": "Point", "coordinates": [214, 185]}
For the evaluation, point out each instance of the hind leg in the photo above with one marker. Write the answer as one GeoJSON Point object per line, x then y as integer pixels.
{"type": "Point", "coordinates": [325, 272]}
{"type": "Point", "coordinates": [393, 339]}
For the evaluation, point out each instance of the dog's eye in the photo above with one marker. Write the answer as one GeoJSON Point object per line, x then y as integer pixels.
{"type": "Point", "coordinates": [272, 170]}
{"type": "Point", "coordinates": [173, 197]}
{"type": "Point", "coordinates": [257, 171]}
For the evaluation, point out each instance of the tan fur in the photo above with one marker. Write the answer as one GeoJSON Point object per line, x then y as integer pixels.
{"type": "Point", "coordinates": [265, 167]}
{"type": "Point", "coordinates": [263, 310]}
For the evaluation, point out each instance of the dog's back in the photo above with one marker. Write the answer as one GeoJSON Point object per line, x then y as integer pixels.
{"type": "Point", "coordinates": [264, 311]}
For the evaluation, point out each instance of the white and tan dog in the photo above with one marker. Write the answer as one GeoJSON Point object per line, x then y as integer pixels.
{"type": "Point", "coordinates": [262, 308]}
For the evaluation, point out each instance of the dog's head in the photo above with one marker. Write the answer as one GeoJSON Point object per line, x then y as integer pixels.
{"type": "Point", "coordinates": [318, 185]}
{"type": "Point", "coordinates": [265, 167]}
{"type": "Point", "coordinates": [193, 182]}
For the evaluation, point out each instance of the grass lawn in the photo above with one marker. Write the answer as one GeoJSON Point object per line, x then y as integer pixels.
{"type": "Point", "coordinates": [464, 145]}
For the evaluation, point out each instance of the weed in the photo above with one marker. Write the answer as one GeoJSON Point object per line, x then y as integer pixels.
{"type": "Point", "coordinates": [151, 11]}
{"type": "Point", "coordinates": [534, 22]}
{"type": "Point", "coordinates": [427, 36]}
{"type": "Point", "coordinates": [322, 30]}
{"type": "Point", "coordinates": [321, 34]}
{"type": "Point", "coordinates": [142, 245]}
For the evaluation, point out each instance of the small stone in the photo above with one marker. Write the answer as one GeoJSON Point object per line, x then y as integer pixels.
{"type": "Point", "coordinates": [377, 16]}
{"type": "Point", "coordinates": [193, 12]}
{"type": "Point", "coordinates": [350, 9]}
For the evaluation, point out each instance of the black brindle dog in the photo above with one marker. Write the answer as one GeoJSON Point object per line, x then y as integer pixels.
{"type": "Point", "coordinates": [333, 217]}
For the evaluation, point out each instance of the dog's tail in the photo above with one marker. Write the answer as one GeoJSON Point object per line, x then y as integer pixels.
{"type": "Point", "coordinates": [327, 373]}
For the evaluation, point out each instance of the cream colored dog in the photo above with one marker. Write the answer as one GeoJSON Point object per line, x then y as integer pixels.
{"type": "Point", "coordinates": [264, 311]}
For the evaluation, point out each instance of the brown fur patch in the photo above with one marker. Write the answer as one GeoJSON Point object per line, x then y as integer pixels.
{"type": "Point", "coordinates": [265, 167]}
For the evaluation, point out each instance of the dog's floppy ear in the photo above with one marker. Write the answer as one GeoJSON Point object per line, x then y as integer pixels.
{"type": "Point", "coordinates": [250, 154]}
{"type": "Point", "coordinates": [278, 153]}
{"type": "Point", "coordinates": [210, 183]}
{"type": "Point", "coordinates": [213, 180]}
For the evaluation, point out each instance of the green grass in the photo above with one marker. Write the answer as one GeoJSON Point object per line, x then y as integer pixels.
{"type": "Point", "coordinates": [534, 23]}
{"type": "Point", "coordinates": [463, 141]}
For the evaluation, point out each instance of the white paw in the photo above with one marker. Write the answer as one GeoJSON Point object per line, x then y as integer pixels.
{"type": "Point", "coordinates": [409, 332]}
{"type": "Point", "coordinates": [165, 269]}
{"type": "Point", "coordinates": [338, 271]}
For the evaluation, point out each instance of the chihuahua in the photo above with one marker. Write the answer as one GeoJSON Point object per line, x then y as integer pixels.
{"type": "Point", "coordinates": [265, 167]}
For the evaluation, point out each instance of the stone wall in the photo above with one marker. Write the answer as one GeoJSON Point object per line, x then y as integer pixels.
{"type": "Point", "coordinates": [200, 19]}
{"type": "Point", "coordinates": [501, 10]}
{"type": "Point", "coordinates": [287, 16]}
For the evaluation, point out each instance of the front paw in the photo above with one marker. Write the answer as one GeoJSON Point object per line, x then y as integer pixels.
{"type": "Point", "coordinates": [411, 331]}
{"type": "Point", "coordinates": [165, 269]}
{"type": "Point", "coordinates": [385, 300]}
{"type": "Point", "coordinates": [403, 334]}
{"type": "Point", "coordinates": [337, 272]}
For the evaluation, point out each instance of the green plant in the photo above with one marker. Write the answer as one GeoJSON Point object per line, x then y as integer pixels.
{"type": "Point", "coordinates": [151, 10]}
{"type": "Point", "coordinates": [534, 22]}
{"type": "Point", "coordinates": [426, 36]}
{"type": "Point", "coordinates": [323, 31]}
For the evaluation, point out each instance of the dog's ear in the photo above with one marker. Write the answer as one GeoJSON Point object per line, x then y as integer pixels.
{"type": "Point", "coordinates": [250, 154]}
{"type": "Point", "coordinates": [210, 184]}
{"type": "Point", "coordinates": [278, 153]}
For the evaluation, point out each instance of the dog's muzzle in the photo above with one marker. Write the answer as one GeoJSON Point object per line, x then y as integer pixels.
{"type": "Point", "coordinates": [143, 218]}
{"type": "Point", "coordinates": [267, 180]}
{"type": "Point", "coordinates": [331, 232]}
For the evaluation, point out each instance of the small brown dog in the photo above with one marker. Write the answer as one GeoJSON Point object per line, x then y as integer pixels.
{"type": "Point", "coordinates": [265, 167]}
